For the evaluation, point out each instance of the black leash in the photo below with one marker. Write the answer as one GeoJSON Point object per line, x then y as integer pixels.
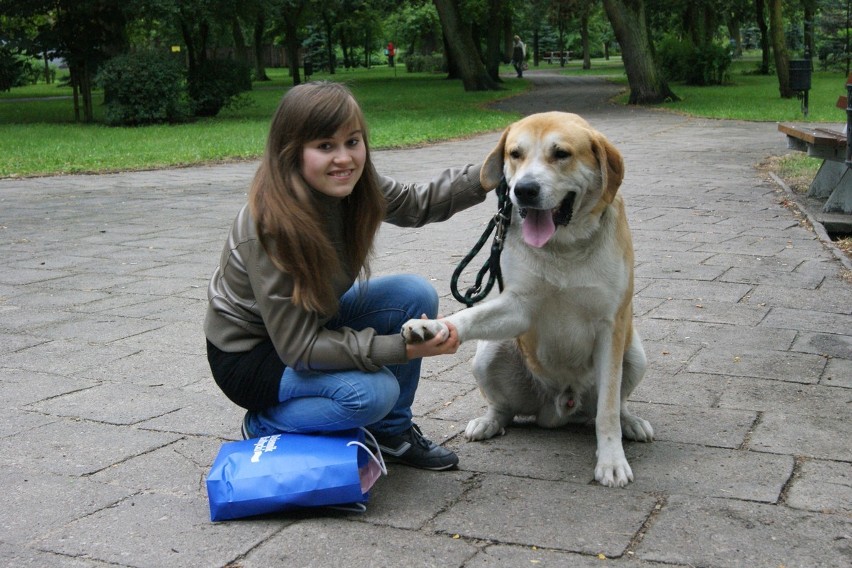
{"type": "Point", "coordinates": [500, 221]}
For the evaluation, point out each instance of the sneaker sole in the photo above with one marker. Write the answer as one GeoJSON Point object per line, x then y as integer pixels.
{"type": "Point", "coordinates": [389, 458]}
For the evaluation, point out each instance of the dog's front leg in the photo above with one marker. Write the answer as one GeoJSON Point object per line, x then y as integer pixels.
{"type": "Point", "coordinates": [504, 317]}
{"type": "Point", "coordinates": [612, 469]}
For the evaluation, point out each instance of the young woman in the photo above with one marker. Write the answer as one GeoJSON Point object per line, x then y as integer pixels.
{"type": "Point", "coordinates": [297, 332]}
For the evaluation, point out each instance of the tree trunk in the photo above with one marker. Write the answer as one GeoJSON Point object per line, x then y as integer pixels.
{"type": "Point", "coordinates": [493, 34]}
{"type": "Point", "coordinates": [452, 69]}
{"type": "Point", "coordinates": [535, 47]}
{"type": "Point", "coordinates": [462, 49]}
{"type": "Point", "coordinates": [508, 33]}
{"type": "Point", "coordinates": [259, 63]}
{"type": "Point", "coordinates": [584, 36]}
{"type": "Point", "coordinates": [809, 9]}
{"type": "Point", "coordinates": [86, 91]}
{"type": "Point", "coordinates": [779, 49]}
{"type": "Point", "coordinates": [47, 76]}
{"type": "Point", "coordinates": [647, 85]}
{"type": "Point", "coordinates": [292, 14]}
{"type": "Point", "coordinates": [240, 48]}
{"type": "Point", "coordinates": [368, 49]}
{"type": "Point", "coordinates": [75, 90]}
{"type": "Point", "coordinates": [328, 26]}
{"type": "Point", "coordinates": [344, 48]}
{"type": "Point", "coordinates": [733, 24]}
{"type": "Point", "coordinates": [760, 16]}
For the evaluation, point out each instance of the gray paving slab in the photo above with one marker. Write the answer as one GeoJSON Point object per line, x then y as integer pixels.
{"type": "Point", "coordinates": [112, 420]}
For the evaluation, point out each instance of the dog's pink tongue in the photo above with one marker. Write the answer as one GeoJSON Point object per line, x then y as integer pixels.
{"type": "Point", "coordinates": [538, 227]}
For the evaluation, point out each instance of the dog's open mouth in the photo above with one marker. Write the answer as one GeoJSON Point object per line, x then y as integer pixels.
{"type": "Point", "coordinates": [540, 224]}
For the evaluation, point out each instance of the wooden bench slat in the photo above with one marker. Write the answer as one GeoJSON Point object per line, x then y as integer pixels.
{"type": "Point", "coordinates": [814, 136]}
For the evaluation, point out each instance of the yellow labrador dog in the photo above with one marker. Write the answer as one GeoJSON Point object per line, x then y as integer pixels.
{"type": "Point", "coordinates": [558, 342]}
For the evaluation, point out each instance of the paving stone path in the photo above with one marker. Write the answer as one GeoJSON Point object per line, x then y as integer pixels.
{"type": "Point", "coordinates": [112, 419]}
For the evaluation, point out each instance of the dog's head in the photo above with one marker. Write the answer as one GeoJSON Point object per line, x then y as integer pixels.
{"type": "Point", "coordinates": [559, 170]}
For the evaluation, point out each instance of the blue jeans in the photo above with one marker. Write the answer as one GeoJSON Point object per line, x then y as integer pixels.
{"type": "Point", "coordinates": [323, 401]}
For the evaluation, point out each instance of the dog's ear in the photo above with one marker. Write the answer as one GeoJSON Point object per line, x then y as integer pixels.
{"type": "Point", "coordinates": [492, 169]}
{"type": "Point", "coordinates": [611, 164]}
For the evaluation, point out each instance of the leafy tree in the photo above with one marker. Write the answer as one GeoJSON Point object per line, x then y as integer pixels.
{"type": "Point", "coordinates": [833, 22]}
{"type": "Point", "coordinates": [560, 14]}
{"type": "Point", "coordinates": [779, 48]}
{"type": "Point", "coordinates": [647, 85]}
{"type": "Point", "coordinates": [85, 33]}
{"type": "Point", "coordinates": [760, 16]}
{"type": "Point", "coordinates": [462, 52]}
{"type": "Point", "coordinates": [416, 27]}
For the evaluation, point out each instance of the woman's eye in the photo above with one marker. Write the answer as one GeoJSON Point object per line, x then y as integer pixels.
{"type": "Point", "coordinates": [354, 141]}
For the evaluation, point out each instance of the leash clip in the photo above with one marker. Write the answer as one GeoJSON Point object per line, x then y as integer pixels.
{"type": "Point", "coordinates": [502, 223]}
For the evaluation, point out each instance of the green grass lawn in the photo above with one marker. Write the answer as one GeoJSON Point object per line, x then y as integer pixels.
{"type": "Point", "coordinates": [402, 109]}
{"type": "Point", "coordinates": [40, 137]}
{"type": "Point", "coordinates": [756, 97]}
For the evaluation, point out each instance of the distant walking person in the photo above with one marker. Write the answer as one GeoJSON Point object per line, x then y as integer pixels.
{"type": "Point", "coordinates": [519, 56]}
{"type": "Point", "coordinates": [390, 52]}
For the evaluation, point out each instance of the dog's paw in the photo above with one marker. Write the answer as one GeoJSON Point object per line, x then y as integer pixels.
{"type": "Point", "coordinates": [612, 469]}
{"type": "Point", "coordinates": [637, 429]}
{"type": "Point", "coordinates": [420, 330]}
{"type": "Point", "coordinates": [482, 428]}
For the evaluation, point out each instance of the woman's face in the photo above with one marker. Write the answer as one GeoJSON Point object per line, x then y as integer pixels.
{"type": "Point", "coordinates": [334, 165]}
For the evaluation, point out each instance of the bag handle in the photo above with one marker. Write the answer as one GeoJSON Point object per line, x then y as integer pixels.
{"type": "Point", "coordinates": [380, 460]}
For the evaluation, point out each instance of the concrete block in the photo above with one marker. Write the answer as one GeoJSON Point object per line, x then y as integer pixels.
{"type": "Point", "coordinates": [779, 365]}
{"type": "Point", "coordinates": [548, 514]}
{"type": "Point", "coordinates": [344, 542]}
{"type": "Point", "coordinates": [49, 502]}
{"type": "Point", "coordinates": [75, 448]}
{"type": "Point", "coordinates": [154, 530]}
{"type": "Point", "coordinates": [822, 486]}
{"type": "Point", "coordinates": [827, 436]}
{"type": "Point", "coordinates": [407, 498]}
{"type": "Point", "coordinates": [696, 531]}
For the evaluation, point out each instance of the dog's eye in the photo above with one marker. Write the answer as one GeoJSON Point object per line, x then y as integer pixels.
{"type": "Point", "coordinates": [561, 154]}
{"type": "Point", "coordinates": [515, 154]}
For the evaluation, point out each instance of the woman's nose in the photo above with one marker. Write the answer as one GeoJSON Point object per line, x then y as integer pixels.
{"type": "Point", "coordinates": [342, 155]}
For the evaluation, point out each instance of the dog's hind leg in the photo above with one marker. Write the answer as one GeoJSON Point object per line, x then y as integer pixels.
{"type": "Point", "coordinates": [635, 363]}
{"type": "Point", "coordinates": [499, 372]}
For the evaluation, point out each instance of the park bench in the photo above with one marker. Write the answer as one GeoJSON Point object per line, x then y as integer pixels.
{"type": "Point", "coordinates": [556, 56]}
{"type": "Point", "coordinates": [833, 181]}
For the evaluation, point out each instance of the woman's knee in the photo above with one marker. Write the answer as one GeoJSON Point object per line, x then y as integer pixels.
{"type": "Point", "coordinates": [377, 395]}
{"type": "Point", "coordinates": [421, 295]}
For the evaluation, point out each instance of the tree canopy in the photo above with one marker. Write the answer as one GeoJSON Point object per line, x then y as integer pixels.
{"type": "Point", "coordinates": [660, 41]}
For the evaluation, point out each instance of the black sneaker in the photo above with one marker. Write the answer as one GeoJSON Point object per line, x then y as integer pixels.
{"type": "Point", "coordinates": [411, 448]}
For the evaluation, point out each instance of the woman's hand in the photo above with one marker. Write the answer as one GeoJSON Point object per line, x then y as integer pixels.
{"type": "Point", "coordinates": [438, 345]}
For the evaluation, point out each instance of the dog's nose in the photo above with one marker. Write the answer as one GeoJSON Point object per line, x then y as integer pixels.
{"type": "Point", "coordinates": [526, 192]}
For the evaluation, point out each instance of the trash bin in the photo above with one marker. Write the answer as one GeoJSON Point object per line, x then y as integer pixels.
{"type": "Point", "coordinates": [800, 74]}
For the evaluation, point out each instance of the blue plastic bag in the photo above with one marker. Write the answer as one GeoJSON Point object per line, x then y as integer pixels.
{"type": "Point", "coordinates": [286, 471]}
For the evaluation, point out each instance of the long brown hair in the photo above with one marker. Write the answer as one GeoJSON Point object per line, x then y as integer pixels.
{"type": "Point", "coordinates": [289, 224]}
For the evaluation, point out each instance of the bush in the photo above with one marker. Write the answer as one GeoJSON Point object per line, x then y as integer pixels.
{"type": "Point", "coordinates": [217, 84]}
{"type": "Point", "coordinates": [680, 60]}
{"type": "Point", "coordinates": [433, 63]}
{"type": "Point", "coordinates": [15, 70]}
{"type": "Point", "coordinates": [143, 88]}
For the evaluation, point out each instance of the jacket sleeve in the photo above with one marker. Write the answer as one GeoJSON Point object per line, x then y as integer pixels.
{"type": "Point", "coordinates": [299, 336]}
{"type": "Point", "coordinates": [415, 204]}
